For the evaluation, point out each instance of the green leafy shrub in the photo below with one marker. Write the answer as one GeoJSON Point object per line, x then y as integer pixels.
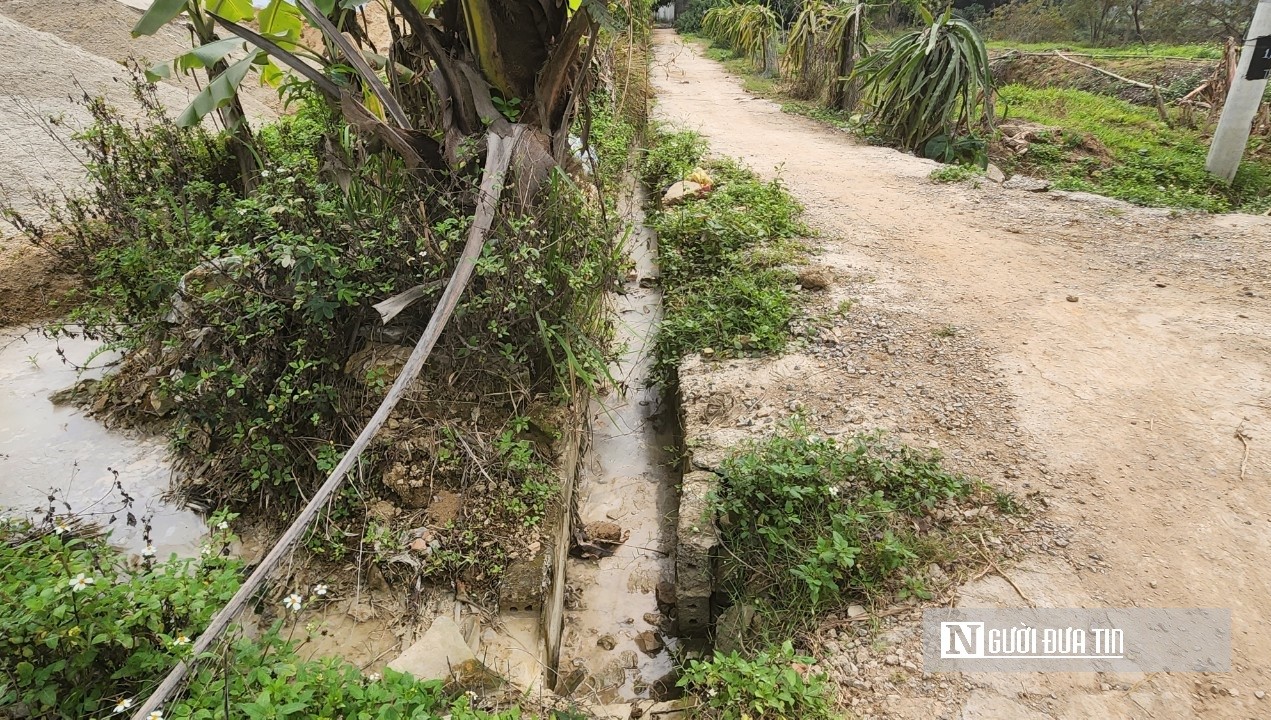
{"type": "Point", "coordinates": [239, 313]}
{"type": "Point", "coordinates": [85, 632]}
{"type": "Point", "coordinates": [81, 629]}
{"type": "Point", "coordinates": [776, 684]}
{"type": "Point", "coordinates": [819, 521]}
{"type": "Point", "coordinates": [671, 157]}
{"type": "Point", "coordinates": [955, 173]}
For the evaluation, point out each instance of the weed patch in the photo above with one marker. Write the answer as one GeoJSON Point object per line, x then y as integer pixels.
{"type": "Point", "coordinates": [84, 632]}
{"type": "Point", "coordinates": [247, 323]}
{"type": "Point", "coordinates": [775, 683]}
{"type": "Point", "coordinates": [671, 157]}
{"type": "Point", "coordinates": [831, 117]}
{"type": "Point", "coordinates": [1139, 158]}
{"type": "Point", "coordinates": [246, 317]}
{"type": "Point", "coordinates": [955, 173]}
{"type": "Point", "coordinates": [724, 258]}
{"type": "Point", "coordinates": [812, 523]}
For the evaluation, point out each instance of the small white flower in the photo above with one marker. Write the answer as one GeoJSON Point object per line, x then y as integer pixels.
{"type": "Point", "coordinates": [180, 640]}
{"type": "Point", "coordinates": [223, 525]}
{"type": "Point", "coordinates": [123, 705]}
{"type": "Point", "coordinates": [148, 551]}
{"type": "Point", "coordinates": [711, 692]}
{"type": "Point", "coordinates": [373, 677]}
{"type": "Point", "coordinates": [292, 602]}
{"type": "Point", "coordinates": [61, 526]}
{"type": "Point", "coordinates": [205, 550]}
{"type": "Point", "coordinates": [81, 581]}
{"type": "Point", "coordinates": [319, 589]}
{"type": "Point", "coordinates": [155, 715]}
{"type": "Point", "coordinates": [834, 491]}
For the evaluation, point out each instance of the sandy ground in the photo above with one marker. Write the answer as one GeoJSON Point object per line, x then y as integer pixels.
{"type": "Point", "coordinates": [1103, 358]}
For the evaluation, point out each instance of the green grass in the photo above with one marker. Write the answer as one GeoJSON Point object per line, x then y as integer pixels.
{"type": "Point", "coordinates": [724, 257]}
{"type": "Point", "coordinates": [1193, 51]}
{"type": "Point", "coordinates": [833, 118]}
{"type": "Point", "coordinates": [955, 173]}
{"type": "Point", "coordinates": [1134, 156]}
{"type": "Point", "coordinates": [811, 524]}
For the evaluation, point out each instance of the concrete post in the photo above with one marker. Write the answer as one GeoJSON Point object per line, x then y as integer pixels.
{"type": "Point", "coordinates": [1243, 98]}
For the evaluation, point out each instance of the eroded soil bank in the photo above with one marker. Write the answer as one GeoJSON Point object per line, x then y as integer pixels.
{"type": "Point", "coordinates": [1108, 360]}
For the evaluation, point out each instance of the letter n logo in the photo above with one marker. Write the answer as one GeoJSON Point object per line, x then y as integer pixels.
{"type": "Point", "coordinates": [961, 640]}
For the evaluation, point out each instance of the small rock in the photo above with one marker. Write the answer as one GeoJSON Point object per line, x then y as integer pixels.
{"type": "Point", "coordinates": [1259, 694]}
{"type": "Point", "coordinates": [628, 659]}
{"type": "Point", "coordinates": [681, 191]}
{"type": "Point", "coordinates": [606, 532]}
{"type": "Point", "coordinates": [438, 653]}
{"type": "Point", "coordinates": [855, 611]}
{"type": "Point", "coordinates": [657, 620]}
{"type": "Point", "coordinates": [607, 642]}
{"type": "Point", "coordinates": [994, 173]}
{"type": "Point", "coordinates": [813, 279]}
{"type": "Point", "coordinates": [1026, 183]}
{"type": "Point", "coordinates": [732, 626]}
{"type": "Point", "coordinates": [666, 594]}
{"type": "Point", "coordinates": [161, 404]}
{"type": "Point", "coordinates": [1071, 298]}
{"type": "Point", "coordinates": [649, 642]}
{"type": "Point", "coordinates": [1233, 692]}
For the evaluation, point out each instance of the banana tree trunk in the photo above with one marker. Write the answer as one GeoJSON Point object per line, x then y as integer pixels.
{"type": "Point", "coordinates": [232, 115]}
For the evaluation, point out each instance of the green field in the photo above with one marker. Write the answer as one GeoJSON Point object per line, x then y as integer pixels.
{"type": "Point", "coordinates": [1192, 51]}
{"type": "Point", "coordinates": [1121, 150]}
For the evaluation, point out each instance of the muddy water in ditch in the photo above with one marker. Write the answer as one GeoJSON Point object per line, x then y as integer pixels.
{"type": "Point", "coordinates": [627, 479]}
{"type": "Point", "coordinates": [45, 446]}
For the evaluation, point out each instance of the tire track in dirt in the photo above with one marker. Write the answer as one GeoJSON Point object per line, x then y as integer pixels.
{"type": "Point", "coordinates": [1131, 393]}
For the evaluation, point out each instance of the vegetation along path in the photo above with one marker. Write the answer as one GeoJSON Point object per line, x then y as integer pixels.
{"type": "Point", "coordinates": [1109, 360]}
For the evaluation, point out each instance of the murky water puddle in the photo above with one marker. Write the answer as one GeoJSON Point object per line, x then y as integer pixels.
{"type": "Point", "coordinates": [45, 446]}
{"type": "Point", "coordinates": [614, 632]}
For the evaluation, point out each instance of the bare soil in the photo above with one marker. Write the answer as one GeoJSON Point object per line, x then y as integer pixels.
{"type": "Point", "coordinates": [1107, 360]}
{"type": "Point", "coordinates": [32, 286]}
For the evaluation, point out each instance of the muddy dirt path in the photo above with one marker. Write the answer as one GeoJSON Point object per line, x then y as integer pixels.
{"type": "Point", "coordinates": [1131, 347]}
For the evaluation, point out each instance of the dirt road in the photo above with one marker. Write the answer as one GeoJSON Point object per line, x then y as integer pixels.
{"type": "Point", "coordinates": [1112, 357]}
